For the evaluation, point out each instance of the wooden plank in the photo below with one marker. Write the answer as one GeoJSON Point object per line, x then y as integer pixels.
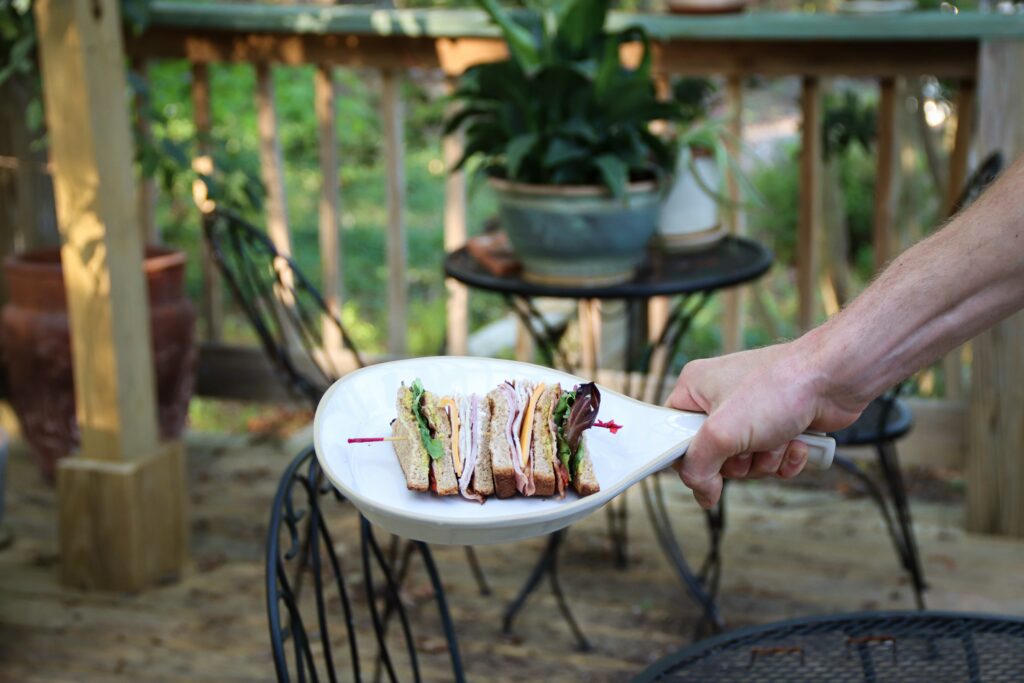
{"type": "Point", "coordinates": [995, 473]}
{"type": "Point", "coordinates": [393, 116]}
{"type": "Point", "coordinates": [733, 300]}
{"type": "Point", "coordinates": [589, 317]}
{"type": "Point", "coordinates": [524, 346]}
{"type": "Point", "coordinates": [809, 228]}
{"type": "Point", "coordinates": [330, 201]}
{"type": "Point", "coordinates": [943, 55]}
{"type": "Point", "coordinates": [91, 150]}
{"type": "Point", "coordinates": [455, 234]}
{"type": "Point", "coordinates": [271, 162]}
{"type": "Point", "coordinates": [121, 500]}
{"type": "Point", "coordinates": [952, 364]}
{"type": "Point", "coordinates": [146, 187]}
{"type": "Point", "coordinates": [211, 303]}
{"type": "Point", "coordinates": [887, 146]}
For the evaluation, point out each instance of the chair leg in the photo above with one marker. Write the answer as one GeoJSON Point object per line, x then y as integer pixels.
{"type": "Point", "coordinates": [478, 572]}
{"type": "Point", "coordinates": [889, 461]}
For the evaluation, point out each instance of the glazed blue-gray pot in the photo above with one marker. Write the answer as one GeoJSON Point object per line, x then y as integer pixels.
{"type": "Point", "coordinates": [578, 234]}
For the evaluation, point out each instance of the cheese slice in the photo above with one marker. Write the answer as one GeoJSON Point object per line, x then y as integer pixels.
{"type": "Point", "coordinates": [526, 431]}
{"type": "Point", "coordinates": [453, 412]}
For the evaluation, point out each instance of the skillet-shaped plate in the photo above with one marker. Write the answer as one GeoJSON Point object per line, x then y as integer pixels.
{"type": "Point", "coordinates": [362, 404]}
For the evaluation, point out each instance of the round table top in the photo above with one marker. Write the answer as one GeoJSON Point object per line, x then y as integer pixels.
{"type": "Point", "coordinates": [730, 262]}
{"type": "Point", "coordinates": [905, 646]}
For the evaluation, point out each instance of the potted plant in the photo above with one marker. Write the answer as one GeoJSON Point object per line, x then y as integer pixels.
{"type": "Point", "coordinates": [562, 132]}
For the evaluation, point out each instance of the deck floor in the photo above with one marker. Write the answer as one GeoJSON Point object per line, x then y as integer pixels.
{"type": "Point", "coordinates": [789, 551]}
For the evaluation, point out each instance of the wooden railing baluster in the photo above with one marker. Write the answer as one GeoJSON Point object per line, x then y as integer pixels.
{"type": "Point", "coordinates": [212, 297]}
{"type": "Point", "coordinates": [885, 177]}
{"type": "Point", "coordinates": [394, 158]}
{"type": "Point", "coordinates": [953, 362]}
{"type": "Point", "coordinates": [271, 163]}
{"type": "Point", "coordinates": [809, 229]}
{"type": "Point", "coordinates": [454, 237]}
{"type": "Point", "coordinates": [733, 300]}
{"type": "Point", "coordinates": [330, 201]}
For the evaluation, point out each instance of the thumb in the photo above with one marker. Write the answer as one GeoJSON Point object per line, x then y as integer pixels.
{"type": "Point", "coordinates": [700, 469]}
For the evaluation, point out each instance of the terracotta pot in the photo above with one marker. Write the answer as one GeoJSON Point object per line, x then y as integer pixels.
{"type": "Point", "coordinates": [37, 349]}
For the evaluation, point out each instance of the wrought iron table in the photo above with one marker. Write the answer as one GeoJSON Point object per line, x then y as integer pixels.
{"type": "Point", "coordinates": [867, 647]}
{"type": "Point", "coordinates": [688, 280]}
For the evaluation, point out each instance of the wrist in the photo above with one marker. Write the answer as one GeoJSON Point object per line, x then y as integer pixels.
{"type": "Point", "coordinates": [829, 366]}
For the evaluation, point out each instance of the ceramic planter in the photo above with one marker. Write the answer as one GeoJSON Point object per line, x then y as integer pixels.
{"type": "Point", "coordinates": [689, 217]}
{"type": "Point", "coordinates": [37, 349]}
{"type": "Point", "coordinates": [578, 234]}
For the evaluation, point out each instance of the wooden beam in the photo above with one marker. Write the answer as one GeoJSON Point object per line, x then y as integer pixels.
{"type": "Point", "coordinates": [212, 297]}
{"type": "Point", "coordinates": [330, 200]}
{"type": "Point", "coordinates": [887, 146]}
{"type": "Point", "coordinates": [734, 299]}
{"type": "Point", "coordinates": [122, 497]}
{"type": "Point", "coordinates": [995, 473]}
{"type": "Point", "coordinates": [809, 228]}
{"type": "Point", "coordinates": [393, 116]}
{"type": "Point", "coordinates": [271, 162]}
{"type": "Point", "coordinates": [455, 234]}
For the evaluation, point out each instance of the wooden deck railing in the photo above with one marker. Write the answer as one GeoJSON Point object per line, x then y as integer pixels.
{"type": "Point", "coordinates": [812, 47]}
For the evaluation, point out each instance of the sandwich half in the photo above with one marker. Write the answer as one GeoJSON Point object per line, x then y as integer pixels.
{"type": "Point", "coordinates": [499, 449]}
{"type": "Point", "coordinates": [469, 421]}
{"type": "Point", "coordinates": [424, 451]}
{"type": "Point", "coordinates": [574, 413]}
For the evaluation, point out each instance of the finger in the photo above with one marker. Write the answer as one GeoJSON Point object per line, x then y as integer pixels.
{"type": "Point", "coordinates": [737, 467]}
{"type": "Point", "coordinates": [707, 492]}
{"type": "Point", "coordinates": [766, 463]}
{"type": "Point", "coordinates": [682, 399]}
{"type": "Point", "coordinates": [795, 460]}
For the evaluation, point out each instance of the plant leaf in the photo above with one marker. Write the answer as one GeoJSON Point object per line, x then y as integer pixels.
{"type": "Point", "coordinates": [516, 151]}
{"type": "Point", "coordinates": [521, 44]}
{"type": "Point", "coordinates": [614, 172]}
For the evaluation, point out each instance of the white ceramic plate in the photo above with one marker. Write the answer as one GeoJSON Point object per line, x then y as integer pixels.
{"type": "Point", "coordinates": [362, 404]}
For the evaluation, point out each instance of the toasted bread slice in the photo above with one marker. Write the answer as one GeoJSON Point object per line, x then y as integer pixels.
{"type": "Point", "coordinates": [443, 468]}
{"type": "Point", "coordinates": [483, 473]}
{"type": "Point", "coordinates": [584, 480]}
{"type": "Point", "coordinates": [498, 446]}
{"type": "Point", "coordinates": [412, 455]}
{"type": "Point", "coordinates": [542, 445]}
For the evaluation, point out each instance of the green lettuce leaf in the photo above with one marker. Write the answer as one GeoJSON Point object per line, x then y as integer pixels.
{"type": "Point", "coordinates": [561, 416]}
{"type": "Point", "coordinates": [432, 444]}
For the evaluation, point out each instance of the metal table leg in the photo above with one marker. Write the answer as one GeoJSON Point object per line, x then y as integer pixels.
{"type": "Point", "coordinates": [546, 564]}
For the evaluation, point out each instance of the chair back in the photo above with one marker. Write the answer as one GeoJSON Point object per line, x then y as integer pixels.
{"type": "Point", "coordinates": [304, 340]}
{"type": "Point", "coordinates": [330, 592]}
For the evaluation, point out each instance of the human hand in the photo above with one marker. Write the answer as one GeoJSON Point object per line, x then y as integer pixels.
{"type": "Point", "coordinates": [757, 402]}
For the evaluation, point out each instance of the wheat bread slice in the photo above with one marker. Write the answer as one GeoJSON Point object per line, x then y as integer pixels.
{"type": "Point", "coordinates": [542, 444]}
{"type": "Point", "coordinates": [483, 472]}
{"type": "Point", "coordinates": [412, 455]}
{"type": "Point", "coordinates": [498, 446]}
{"type": "Point", "coordinates": [443, 468]}
{"type": "Point", "coordinates": [584, 480]}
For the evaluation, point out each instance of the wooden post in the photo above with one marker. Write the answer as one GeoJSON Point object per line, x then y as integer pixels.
{"type": "Point", "coordinates": [809, 229]}
{"type": "Point", "coordinates": [330, 201]}
{"type": "Point", "coordinates": [121, 499]}
{"type": "Point", "coordinates": [271, 164]}
{"type": "Point", "coordinates": [952, 364]}
{"type": "Point", "coordinates": [733, 300]}
{"type": "Point", "coordinates": [995, 433]}
{"type": "Point", "coordinates": [455, 237]}
{"type": "Point", "coordinates": [885, 178]}
{"type": "Point", "coordinates": [212, 299]}
{"type": "Point", "coordinates": [394, 160]}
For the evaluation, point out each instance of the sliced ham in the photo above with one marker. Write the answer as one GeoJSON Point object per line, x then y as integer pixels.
{"type": "Point", "coordinates": [469, 443]}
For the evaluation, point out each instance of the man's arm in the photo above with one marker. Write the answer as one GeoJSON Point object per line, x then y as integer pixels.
{"type": "Point", "coordinates": [932, 298]}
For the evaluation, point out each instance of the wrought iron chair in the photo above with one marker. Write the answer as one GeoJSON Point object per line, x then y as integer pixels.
{"type": "Point", "coordinates": [305, 341]}
{"type": "Point", "coordinates": [888, 419]}
{"type": "Point", "coordinates": [302, 547]}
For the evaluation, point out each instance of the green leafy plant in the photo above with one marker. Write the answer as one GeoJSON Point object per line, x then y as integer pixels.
{"type": "Point", "coordinates": [563, 109]}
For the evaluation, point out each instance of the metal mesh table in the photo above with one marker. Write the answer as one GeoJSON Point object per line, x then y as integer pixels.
{"type": "Point", "coordinates": [873, 647]}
